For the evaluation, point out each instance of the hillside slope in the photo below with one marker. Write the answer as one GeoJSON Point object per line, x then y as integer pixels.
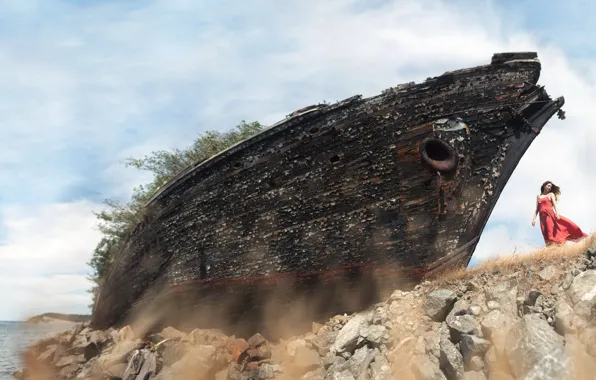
{"type": "Point", "coordinates": [58, 317]}
{"type": "Point", "coordinates": [523, 317]}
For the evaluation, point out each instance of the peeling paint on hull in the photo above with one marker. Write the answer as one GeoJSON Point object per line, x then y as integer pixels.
{"type": "Point", "coordinates": [400, 184]}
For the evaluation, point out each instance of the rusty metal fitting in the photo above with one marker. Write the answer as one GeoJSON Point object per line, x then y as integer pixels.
{"type": "Point", "coordinates": [438, 155]}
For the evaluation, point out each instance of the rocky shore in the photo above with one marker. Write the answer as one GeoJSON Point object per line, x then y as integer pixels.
{"type": "Point", "coordinates": [526, 319]}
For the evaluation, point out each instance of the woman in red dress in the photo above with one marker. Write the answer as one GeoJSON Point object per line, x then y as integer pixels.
{"type": "Point", "coordinates": [556, 229]}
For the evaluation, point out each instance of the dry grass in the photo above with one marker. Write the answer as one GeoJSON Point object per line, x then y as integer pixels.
{"type": "Point", "coordinates": [542, 257]}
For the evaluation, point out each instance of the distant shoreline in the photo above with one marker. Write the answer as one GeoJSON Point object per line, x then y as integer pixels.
{"type": "Point", "coordinates": [58, 318]}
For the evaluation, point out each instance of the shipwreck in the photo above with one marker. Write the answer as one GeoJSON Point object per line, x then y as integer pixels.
{"type": "Point", "coordinates": [335, 197]}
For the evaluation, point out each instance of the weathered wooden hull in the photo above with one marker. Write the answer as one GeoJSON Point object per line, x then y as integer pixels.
{"type": "Point", "coordinates": [397, 185]}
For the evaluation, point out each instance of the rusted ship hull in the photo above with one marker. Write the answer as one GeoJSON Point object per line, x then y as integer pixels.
{"type": "Point", "coordinates": [396, 185]}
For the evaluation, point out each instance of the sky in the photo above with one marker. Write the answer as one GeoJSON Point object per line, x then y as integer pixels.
{"type": "Point", "coordinates": [85, 84]}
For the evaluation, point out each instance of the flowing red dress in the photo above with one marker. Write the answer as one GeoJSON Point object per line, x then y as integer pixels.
{"type": "Point", "coordinates": [556, 230]}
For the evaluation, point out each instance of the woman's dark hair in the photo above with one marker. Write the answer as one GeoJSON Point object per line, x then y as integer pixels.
{"type": "Point", "coordinates": [553, 189]}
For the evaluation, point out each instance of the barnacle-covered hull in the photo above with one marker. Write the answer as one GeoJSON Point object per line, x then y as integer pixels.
{"type": "Point", "coordinates": [399, 185]}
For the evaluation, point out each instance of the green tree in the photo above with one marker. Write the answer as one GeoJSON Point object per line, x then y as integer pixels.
{"type": "Point", "coordinates": [119, 219]}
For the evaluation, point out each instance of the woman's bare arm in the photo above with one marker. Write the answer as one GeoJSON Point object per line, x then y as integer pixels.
{"type": "Point", "coordinates": [535, 211]}
{"type": "Point", "coordinates": [554, 199]}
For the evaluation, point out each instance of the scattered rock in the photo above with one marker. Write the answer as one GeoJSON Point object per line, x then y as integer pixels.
{"type": "Point", "coordinates": [348, 336]}
{"type": "Point", "coordinates": [48, 354]}
{"type": "Point", "coordinates": [499, 375]}
{"type": "Point", "coordinates": [532, 343]}
{"type": "Point", "coordinates": [495, 362]}
{"type": "Point", "coordinates": [373, 333]}
{"type": "Point", "coordinates": [360, 361]}
{"type": "Point", "coordinates": [566, 322]}
{"type": "Point", "coordinates": [211, 337]}
{"type": "Point", "coordinates": [122, 350]}
{"type": "Point", "coordinates": [451, 360]}
{"type": "Point", "coordinates": [505, 294]}
{"type": "Point", "coordinates": [70, 360]}
{"type": "Point", "coordinates": [438, 304]}
{"type": "Point", "coordinates": [463, 325]}
{"type": "Point", "coordinates": [262, 352]}
{"type": "Point", "coordinates": [583, 286]}
{"type": "Point", "coordinates": [68, 371]}
{"type": "Point", "coordinates": [238, 348]}
{"type": "Point", "coordinates": [91, 350]}
{"type": "Point", "coordinates": [461, 307]}
{"type": "Point", "coordinates": [380, 369]}
{"type": "Point", "coordinates": [475, 364]}
{"type": "Point", "coordinates": [474, 375]}
{"type": "Point", "coordinates": [316, 327]}
{"type": "Point", "coordinates": [99, 338]}
{"type": "Point", "coordinates": [472, 346]}
{"type": "Point", "coordinates": [294, 345]}
{"type": "Point", "coordinates": [588, 338]}
{"type": "Point", "coordinates": [317, 374]}
{"type": "Point", "coordinates": [555, 366]}
{"type": "Point", "coordinates": [500, 325]}
{"type": "Point", "coordinates": [567, 281]}
{"type": "Point", "coordinates": [475, 310]}
{"type": "Point", "coordinates": [306, 360]}
{"type": "Point", "coordinates": [494, 322]}
{"type": "Point", "coordinates": [172, 334]}
{"type": "Point", "coordinates": [582, 294]}
{"type": "Point", "coordinates": [116, 370]}
{"type": "Point", "coordinates": [272, 371]}
{"type": "Point", "coordinates": [401, 354]}
{"type": "Point", "coordinates": [426, 369]}
{"type": "Point", "coordinates": [324, 341]}
{"type": "Point", "coordinates": [20, 374]}
{"type": "Point", "coordinates": [125, 334]}
{"type": "Point", "coordinates": [256, 340]}
{"type": "Point", "coordinates": [547, 273]}
{"type": "Point", "coordinates": [344, 375]}
{"type": "Point", "coordinates": [199, 360]}
{"type": "Point", "coordinates": [173, 352]}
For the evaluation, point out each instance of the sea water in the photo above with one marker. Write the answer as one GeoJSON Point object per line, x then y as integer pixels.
{"type": "Point", "coordinates": [15, 337]}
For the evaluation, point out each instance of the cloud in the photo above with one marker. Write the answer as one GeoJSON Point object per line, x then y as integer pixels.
{"type": "Point", "coordinates": [505, 239]}
{"type": "Point", "coordinates": [43, 258]}
{"type": "Point", "coordinates": [94, 83]}
{"type": "Point", "coordinates": [33, 295]}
